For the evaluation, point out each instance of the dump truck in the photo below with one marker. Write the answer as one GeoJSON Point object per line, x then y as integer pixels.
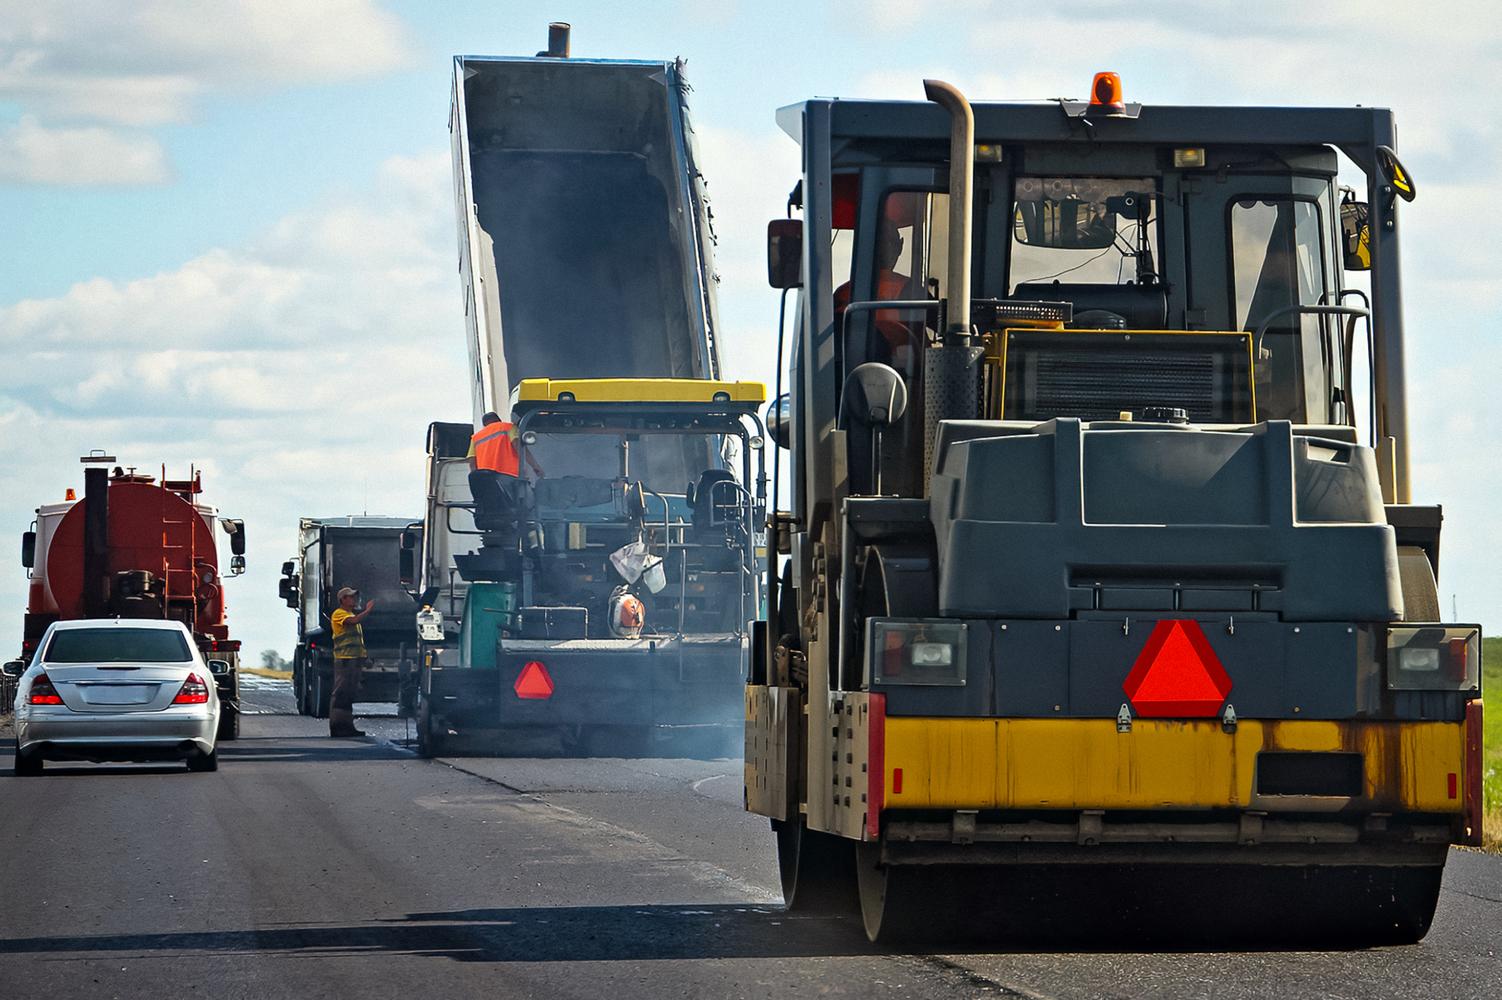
{"type": "Point", "coordinates": [364, 552]}
{"type": "Point", "coordinates": [585, 253]}
{"type": "Point", "coordinates": [1102, 579]}
{"type": "Point", "coordinates": [609, 600]}
{"type": "Point", "coordinates": [137, 546]}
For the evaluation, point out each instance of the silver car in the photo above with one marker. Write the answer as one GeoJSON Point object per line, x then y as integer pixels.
{"type": "Point", "coordinates": [117, 690]}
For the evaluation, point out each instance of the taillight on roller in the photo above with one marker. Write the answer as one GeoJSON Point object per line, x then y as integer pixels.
{"type": "Point", "coordinates": [43, 693]}
{"type": "Point", "coordinates": [194, 692]}
{"type": "Point", "coordinates": [1434, 658]}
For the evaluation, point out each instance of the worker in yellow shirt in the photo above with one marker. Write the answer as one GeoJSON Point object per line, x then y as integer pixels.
{"type": "Point", "coordinates": [349, 657]}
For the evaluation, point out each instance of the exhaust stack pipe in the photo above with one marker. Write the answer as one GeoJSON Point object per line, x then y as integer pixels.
{"type": "Point", "coordinates": [96, 543]}
{"type": "Point", "coordinates": [557, 40]}
{"type": "Point", "coordinates": [951, 368]}
{"type": "Point", "coordinates": [961, 198]}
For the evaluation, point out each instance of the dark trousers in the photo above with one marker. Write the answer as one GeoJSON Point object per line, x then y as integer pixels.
{"type": "Point", "coordinates": [346, 683]}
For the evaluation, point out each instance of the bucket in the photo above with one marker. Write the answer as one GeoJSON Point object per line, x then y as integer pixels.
{"type": "Point", "coordinates": [653, 575]}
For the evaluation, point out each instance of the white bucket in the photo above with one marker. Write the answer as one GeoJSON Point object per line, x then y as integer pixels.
{"type": "Point", "coordinates": [653, 575]}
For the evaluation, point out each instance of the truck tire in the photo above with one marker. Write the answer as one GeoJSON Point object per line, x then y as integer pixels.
{"type": "Point", "coordinates": [322, 691]}
{"type": "Point", "coordinates": [429, 743]}
{"type": "Point", "coordinates": [229, 723]}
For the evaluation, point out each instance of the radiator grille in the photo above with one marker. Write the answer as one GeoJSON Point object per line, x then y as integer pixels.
{"type": "Point", "coordinates": [1095, 376]}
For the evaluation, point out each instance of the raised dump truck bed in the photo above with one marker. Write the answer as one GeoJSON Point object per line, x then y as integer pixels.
{"type": "Point", "coordinates": [584, 238]}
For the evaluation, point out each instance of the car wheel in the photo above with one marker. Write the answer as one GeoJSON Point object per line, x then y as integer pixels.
{"type": "Point", "coordinates": [204, 761]}
{"type": "Point", "coordinates": [27, 764]}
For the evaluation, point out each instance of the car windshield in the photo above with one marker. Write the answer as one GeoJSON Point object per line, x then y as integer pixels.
{"type": "Point", "coordinates": [117, 645]}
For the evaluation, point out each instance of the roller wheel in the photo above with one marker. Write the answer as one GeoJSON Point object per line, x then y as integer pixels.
{"type": "Point", "coordinates": [817, 870]}
{"type": "Point", "coordinates": [905, 904]}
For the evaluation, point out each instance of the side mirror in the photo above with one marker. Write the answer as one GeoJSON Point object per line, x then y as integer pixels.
{"type": "Point", "coordinates": [408, 540]}
{"type": "Point", "coordinates": [236, 531]}
{"type": "Point", "coordinates": [219, 667]}
{"type": "Point", "coordinates": [1356, 235]}
{"type": "Point", "coordinates": [29, 550]}
{"type": "Point", "coordinates": [13, 668]}
{"type": "Point", "coordinates": [785, 253]}
{"type": "Point", "coordinates": [779, 421]}
{"type": "Point", "coordinates": [406, 566]}
{"type": "Point", "coordinates": [286, 589]}
{"type": "Point", "coordinates": [1395, 174]}
{"type": "Point", "coordinates": [236, 565]}
{"type": "Point", "coordinates": [875, 394]}
{"type": "Point", "coordinates": [289, 568]}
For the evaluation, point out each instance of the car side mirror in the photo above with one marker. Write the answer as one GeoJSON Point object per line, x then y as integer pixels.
{"type": "Point", "coordinates": [13, 668]}
{"type": "Point", "coordinates": [779, 421]}
{"type": "Point", "coordinates": [1356, 235]}
{"type": "Point", "coordinates": [219, 667]}
{"type": "Point", "coordinates": [785, 253]}
{"type": "Point", "coordinates": [29, 549]}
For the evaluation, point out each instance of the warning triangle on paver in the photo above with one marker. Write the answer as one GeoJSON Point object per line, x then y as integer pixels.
{"type": "Point", "coordinates": [1177, 674]}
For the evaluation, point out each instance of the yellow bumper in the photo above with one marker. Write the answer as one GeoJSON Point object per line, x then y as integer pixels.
{"type": "Point", "coordinates": [1087, 764]}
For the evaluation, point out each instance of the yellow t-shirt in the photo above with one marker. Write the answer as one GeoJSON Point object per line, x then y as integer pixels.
{"type": "Point", "coordinates": [349, 637]}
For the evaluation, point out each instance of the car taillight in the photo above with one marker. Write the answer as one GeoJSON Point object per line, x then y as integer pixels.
{"type": "Point", "coordinates": [194, 692]}
{"type": "Point", "coordinates": [43, 693]}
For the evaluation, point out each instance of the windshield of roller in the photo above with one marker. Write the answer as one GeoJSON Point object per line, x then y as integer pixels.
{"type": "Point", "coordinates": [1095, 230]}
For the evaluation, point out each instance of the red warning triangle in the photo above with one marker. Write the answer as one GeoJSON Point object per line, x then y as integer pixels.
{"type": "Point", "coordinates": [533, 682]}
{"type": "Point", "coordinates": [1177, 674]}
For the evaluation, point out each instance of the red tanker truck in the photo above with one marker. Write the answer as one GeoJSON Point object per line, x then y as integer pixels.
{"type": "Point", "coordinates": [136, 546]}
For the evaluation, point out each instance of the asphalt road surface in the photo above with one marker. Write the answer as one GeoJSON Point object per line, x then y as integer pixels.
{"type": "Point", "coordinates": [309, 867]}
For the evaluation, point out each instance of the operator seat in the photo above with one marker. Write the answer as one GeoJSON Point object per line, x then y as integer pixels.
{"type": "Point", "coordinates": [713, 507]}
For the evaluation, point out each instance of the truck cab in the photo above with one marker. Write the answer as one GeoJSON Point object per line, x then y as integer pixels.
{"type": "Point", "coordinates": [1102, 539]}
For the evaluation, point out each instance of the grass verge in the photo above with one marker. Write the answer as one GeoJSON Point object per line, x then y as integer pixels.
{"type": "Point", "coordinates": [1491, 741]}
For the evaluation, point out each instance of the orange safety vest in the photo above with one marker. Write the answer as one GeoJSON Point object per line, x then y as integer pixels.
{"type": "Point", "coordinates": [495, 449]}
{"type": "Point", "coordinates": [890, 323]}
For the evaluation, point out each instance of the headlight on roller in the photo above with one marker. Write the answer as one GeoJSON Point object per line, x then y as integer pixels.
{"type": "Point", "coordinates": [917, 651]}
{"type": "Point", "coordinates": [1434, 658]}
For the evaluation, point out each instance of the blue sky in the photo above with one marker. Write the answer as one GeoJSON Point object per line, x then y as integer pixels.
{"type": "Point", "coordinates": [230, 234]}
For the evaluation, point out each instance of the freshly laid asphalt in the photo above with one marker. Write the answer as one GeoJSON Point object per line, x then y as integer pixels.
{"type": "Point", "coordinates": [309, 867]}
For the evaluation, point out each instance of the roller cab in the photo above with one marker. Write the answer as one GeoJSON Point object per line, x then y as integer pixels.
{"type": "Point", "coordinates": [1101, 554]}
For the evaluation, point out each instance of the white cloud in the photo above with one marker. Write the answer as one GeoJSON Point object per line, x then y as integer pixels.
{"type": "Point", "coordinates": [126, 66]}
{"type": "Point", "coordinates": [299, 372]}
{"type": "Point", "coordinates": [32, 153]}
{"type": "Point", "coordinates": [143, 62]}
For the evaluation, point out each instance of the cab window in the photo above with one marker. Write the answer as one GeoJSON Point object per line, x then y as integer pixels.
{"type": "Point", "coordinates": [1278, 261]}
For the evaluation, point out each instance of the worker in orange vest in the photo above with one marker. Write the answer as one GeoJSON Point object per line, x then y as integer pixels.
{"type": "Point", "coordinates": [493, 448]}
{"type": "Point", "coordinates": [899, 334]}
